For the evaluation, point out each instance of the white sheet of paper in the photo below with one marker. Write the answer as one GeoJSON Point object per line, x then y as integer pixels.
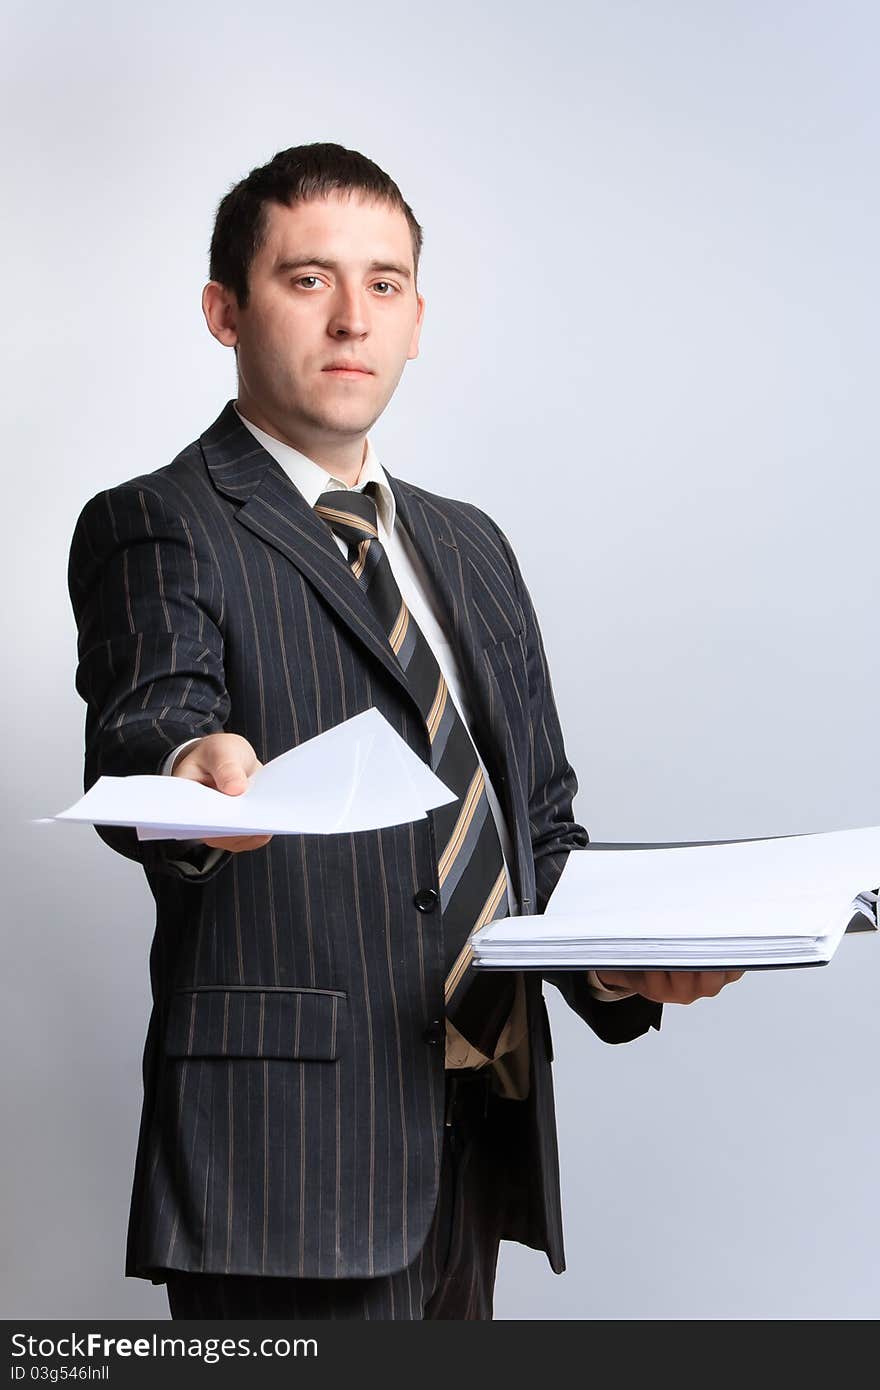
{"type": "Point", "coordinates": [748, 903]}
{"type": "Point", "coordinates": [359, 775]}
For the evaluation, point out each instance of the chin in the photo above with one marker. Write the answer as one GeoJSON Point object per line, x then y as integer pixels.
{"type": "Point", "coordinates": [352, 418]}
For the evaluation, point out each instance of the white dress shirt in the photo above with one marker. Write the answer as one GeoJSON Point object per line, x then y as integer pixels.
{"type": "Point", "coordinates": [416, 589]}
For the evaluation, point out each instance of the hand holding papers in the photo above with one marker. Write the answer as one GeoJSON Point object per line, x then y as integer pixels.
{"type": "Point", "coordinates": [359, 775]}
{"type": "Point", "coordinates": [784, 901]}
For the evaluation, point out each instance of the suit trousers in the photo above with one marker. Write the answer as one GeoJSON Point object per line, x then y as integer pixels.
{"type": "Point", "coordinates": [453, 1276]}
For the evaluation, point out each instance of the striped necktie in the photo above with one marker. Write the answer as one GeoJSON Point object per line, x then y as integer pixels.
{"type": "Point", "coordinates": [470, 868]}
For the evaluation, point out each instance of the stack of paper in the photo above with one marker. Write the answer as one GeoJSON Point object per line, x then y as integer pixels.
{"type": "Point", "coordinates": [359, 775]}
{"type": "Point", "coordinates": [785, 901]}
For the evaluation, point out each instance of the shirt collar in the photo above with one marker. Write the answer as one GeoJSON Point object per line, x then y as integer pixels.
{"type": "Point", "coordinates": [311, 479]}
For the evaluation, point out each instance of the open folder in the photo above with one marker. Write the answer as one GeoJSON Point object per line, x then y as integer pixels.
{"type": "Point", "coordinates": [359, 775]}
{"type": "Point", "coordinates": [784, 901]}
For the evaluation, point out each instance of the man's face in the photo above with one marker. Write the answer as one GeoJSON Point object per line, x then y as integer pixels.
{"type": "Point", "coordinates": [333, 282]}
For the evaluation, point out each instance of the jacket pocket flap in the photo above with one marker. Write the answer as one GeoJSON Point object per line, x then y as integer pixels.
{"type": "Point", "coordinates": [245, 1021]}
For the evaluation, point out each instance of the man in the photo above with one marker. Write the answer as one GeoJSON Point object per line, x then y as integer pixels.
{"type": "Point", "coordinates": [337, 1122]}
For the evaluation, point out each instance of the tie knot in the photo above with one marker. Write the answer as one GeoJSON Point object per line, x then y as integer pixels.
{"type": "Point", "coordinates": [350, 514]}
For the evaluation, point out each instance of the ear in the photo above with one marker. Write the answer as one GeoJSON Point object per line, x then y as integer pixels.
{"type": "Point", "coordinates": [417, 329]}
{"type": "Point", "coordinates": [220, 307]}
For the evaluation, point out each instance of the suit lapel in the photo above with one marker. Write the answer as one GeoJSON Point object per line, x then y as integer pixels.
{"type": "Point", "coordinates": [449, 570]}
{"type": "Point", "coordinates": [274, 509]}
{"type": "Point", "coordinates": [437, 547]}
{"type": "Point", "coordinates": [270, 506]}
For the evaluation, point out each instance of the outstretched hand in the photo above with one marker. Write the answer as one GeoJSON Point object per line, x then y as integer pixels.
{"type": "Point", "coordinates": [224, 762]}
{"type": "Point", "coordinates": [671, 986]}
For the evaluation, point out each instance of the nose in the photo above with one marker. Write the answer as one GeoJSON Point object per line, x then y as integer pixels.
{"type": "Point", "coordinates": [349, 316]}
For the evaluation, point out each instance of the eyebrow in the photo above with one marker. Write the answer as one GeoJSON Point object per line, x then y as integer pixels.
{"type": "Point", "coordinates": [297, 263]}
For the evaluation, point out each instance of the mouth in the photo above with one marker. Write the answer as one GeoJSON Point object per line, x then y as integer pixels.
{"type": "Point", "coordinates": [355, 373]}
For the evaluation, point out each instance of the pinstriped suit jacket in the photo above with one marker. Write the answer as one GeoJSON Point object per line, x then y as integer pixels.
{"type": "Point", "coordinates": [293, 1081]}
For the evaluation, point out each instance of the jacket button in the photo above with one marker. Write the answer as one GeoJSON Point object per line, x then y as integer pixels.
{"type": "Point", "coordinates": [435, 1032]}
{"type": "Point", "coordinates": [426, 899]}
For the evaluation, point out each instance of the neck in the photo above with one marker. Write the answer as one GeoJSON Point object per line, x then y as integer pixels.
{"type": "Point", "coordinates": [342, 459]}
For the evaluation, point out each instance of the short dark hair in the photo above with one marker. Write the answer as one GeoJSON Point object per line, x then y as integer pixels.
{"type": "Point", "coordinates": [293, 176]}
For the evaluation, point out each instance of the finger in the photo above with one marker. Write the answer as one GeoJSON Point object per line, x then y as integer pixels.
{"type": "Point", "coordinates": [659, 986]}
{"type": "Point", "coordinates": [229, 776]}
{"type": "Point", "coordinates": [682, 986]}
{"type": "Point", "coordinates": [225, 775]}
{"type": "Point", "coordinates": [688, 986]}
{"type": "Point", "coordinates": [711, 983]}
{"type": "Point", "coordinates": [237, 843]}
{"type": "Point", "coordinates": [614, 978]}
{"type": "Point", "coordinates": [651, 984]}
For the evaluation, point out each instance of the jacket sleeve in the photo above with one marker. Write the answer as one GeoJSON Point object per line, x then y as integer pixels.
{"type": "Point", "coordinates": [554, 833]}
{"type": "Point", "coordinates": [148, 605]}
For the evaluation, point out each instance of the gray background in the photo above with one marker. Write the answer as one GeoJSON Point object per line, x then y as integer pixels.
{"type": "Point", "coordinates": [649, 351]}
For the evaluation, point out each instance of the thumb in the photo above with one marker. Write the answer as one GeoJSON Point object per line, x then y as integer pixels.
{"type": "Point", "coordinates": [230, 777]}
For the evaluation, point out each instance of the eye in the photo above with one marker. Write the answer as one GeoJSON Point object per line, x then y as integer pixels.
{"type": "Point", "coordinates": [393, 289]}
